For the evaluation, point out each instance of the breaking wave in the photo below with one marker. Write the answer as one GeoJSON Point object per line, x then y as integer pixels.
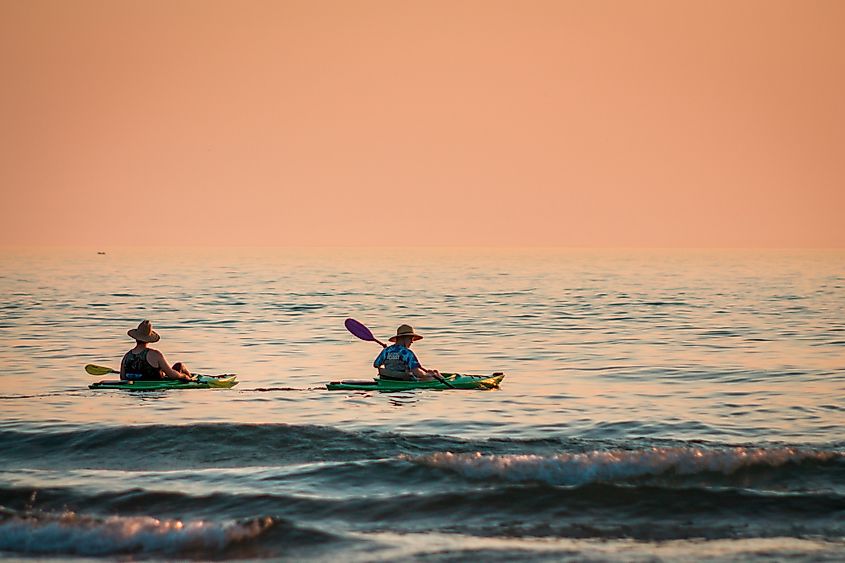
{"type": "Point", "coordinates": [574, 469]}
{"type": "Point", "coordinates": [70, 533]}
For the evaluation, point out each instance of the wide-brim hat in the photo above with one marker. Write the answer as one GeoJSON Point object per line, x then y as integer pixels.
{"type": "Point", "coordinates": [406, 330]}
{"type": "Point", "coordinates": [144, 332]}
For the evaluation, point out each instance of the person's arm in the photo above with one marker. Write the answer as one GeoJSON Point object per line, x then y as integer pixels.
{"type": "Point", "coordinates": [169, 372]}
{"type": "Point", "coordinates": [416, 368]}
{"type": "Point", "coordinates": [423, 370]}
{"type": "Point", "coordinates": [123, 366]}
{"type": "Point", "coordinates": [379, 360]}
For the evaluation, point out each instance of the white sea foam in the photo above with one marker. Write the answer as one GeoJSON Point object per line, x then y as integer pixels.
{"type": "Point", "coordinates": [572, 469]}
{"type": "Point", "coordinates": [72, 534]}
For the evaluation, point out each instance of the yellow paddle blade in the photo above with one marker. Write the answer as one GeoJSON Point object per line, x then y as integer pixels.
{"type": "Point", "coordinates": [223, 381]}
{"type": "Point", "coordinates": [99, 370]}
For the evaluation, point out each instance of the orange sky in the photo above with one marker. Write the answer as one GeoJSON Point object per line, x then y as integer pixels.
{"type": "Point", "coordinates": [582, 123]}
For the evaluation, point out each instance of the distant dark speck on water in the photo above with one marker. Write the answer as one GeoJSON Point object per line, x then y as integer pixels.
{"type": "Point", "coordinates": [101, 252]}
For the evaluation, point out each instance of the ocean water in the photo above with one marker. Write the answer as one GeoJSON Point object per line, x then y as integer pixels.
{"type": "Point", "coordinates": [658, 405]}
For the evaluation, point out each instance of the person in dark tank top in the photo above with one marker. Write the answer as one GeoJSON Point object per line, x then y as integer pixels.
{"type": "Point", "coordinates": [145, 363]}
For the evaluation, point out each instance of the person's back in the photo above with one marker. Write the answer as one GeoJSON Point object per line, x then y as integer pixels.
{"type": "Point", "coordinates": [397, 362]}
{"type": "Point", "coordinates": [143, 363]}
{"type": "Point", "coordinates": [135, 366]}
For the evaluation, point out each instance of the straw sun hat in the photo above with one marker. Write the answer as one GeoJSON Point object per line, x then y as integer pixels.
{"type": "Point", "coordinates": [144, 332]}
{"type": "Point", "coordinates": [405, 330]}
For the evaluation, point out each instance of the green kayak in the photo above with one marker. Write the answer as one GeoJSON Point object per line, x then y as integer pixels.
{"type": "Point", "coordinates": [457, 380]}
{"type": "Point", "coordinates": [204, 382]}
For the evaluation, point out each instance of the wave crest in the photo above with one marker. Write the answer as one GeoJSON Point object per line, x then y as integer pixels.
{"type": "Point", "coordinates": [70, 533]}
{"type": "Point", "coordinates": [574, 469]}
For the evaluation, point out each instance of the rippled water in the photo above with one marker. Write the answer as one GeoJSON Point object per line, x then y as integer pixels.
{"type": "Point", "coordinates": [658, 404]}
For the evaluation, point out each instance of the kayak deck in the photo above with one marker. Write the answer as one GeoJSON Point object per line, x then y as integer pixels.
{"type": "Point", "coordinates": [458, 381]}
{"type": "Point", "coordinates": [205, 382]}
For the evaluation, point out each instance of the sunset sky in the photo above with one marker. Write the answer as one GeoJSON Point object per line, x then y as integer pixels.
{"type": "Point", "coordinates": [582, 123]}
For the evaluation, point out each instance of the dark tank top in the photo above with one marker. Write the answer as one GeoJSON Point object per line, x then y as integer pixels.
{"type": "Point", "coordinates": [136, 366]}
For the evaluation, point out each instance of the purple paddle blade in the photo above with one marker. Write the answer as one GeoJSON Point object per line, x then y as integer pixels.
{"type": "Point", "coordinates": [359, 330]}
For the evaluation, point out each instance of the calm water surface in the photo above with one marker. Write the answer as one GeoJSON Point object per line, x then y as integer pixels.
{"type": "Point", "coordinates": [670, 405]}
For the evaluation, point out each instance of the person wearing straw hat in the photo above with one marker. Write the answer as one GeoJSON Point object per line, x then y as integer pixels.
{"type": "Point", "coordinates": [398, 362]}
{"type": "Point", "coordinates": [145, 363]}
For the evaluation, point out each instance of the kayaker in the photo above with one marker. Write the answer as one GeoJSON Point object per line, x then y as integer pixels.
{"type": "Point", "coordinates": [398, 362]}
{"type": "Point", "coordinates": [145, 363]}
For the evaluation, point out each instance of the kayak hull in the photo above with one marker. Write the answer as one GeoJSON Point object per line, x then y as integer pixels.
{"type": "Point", "coordinates": [458, 381]}
{"type": "Point", "coordinates": [205, 382]}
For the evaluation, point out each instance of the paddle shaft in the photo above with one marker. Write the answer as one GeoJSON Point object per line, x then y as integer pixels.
{"type": "Point", "coordinates": [103, 370]}
{"type": "Point", "coordinates": [442, 380]}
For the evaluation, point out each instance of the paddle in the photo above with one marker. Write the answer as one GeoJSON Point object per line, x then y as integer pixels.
{"type": "Point", "coordinates": [103, 370]}
{"type": "Point", "coordinates": [99, 370]}
{"type": "Point", "coordinates": [364, 333]}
